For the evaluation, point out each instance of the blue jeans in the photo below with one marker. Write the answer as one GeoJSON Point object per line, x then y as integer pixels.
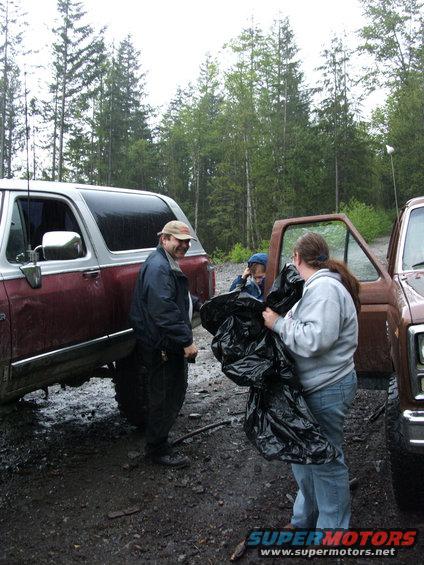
{"type": "Point", "coordinates": [323, 499]}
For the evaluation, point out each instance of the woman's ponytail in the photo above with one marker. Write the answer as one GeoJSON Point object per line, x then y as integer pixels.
{"type": "Point", "coordinates": [349, 281]}
{"type": "Point", "coordinates": [313, 249]}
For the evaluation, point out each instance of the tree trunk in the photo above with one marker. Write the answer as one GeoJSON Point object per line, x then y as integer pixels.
{"type": "Point", "coordinates": [336, 180]}
{"type": "Point", "coordinates": [249, 216]}
{"type": "Point", "coordinates": [256, 231]}
{"type": "Point", "coordinates": [9, 145]}
{"type": "Point", "coordinates": [63, 98]}
{"type": "Point", "coordinates": [62, 122]}
{"type": "Point", "coordinates": [196, 164]}
{"type": "Point", "coordinates": [336, 135]}
{"type": "Point", "coordinates": [54, 156]}
{"type": "Point", "coordinates": [4, 93]}
{"type": "Point", "coordinates": [34, 157]}
{"type": "Point", "coordinates": [101, 137]}
{"type": "Point", "coordinates": [92, 147]}
{"type": "Point", "coordinates": [109, 149]}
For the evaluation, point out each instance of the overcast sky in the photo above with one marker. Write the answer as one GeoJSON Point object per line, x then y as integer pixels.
{"type": "Point", "coordinates": [174, 36]}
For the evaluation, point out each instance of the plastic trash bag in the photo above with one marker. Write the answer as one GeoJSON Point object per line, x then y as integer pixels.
{"type": "Point", "coordinates": [277, 420]}
{"type": "Point", "coordinates": [286, 290]}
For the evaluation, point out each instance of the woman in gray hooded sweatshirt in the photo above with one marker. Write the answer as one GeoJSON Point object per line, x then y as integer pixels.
{"type": "Point", "coordinates": [321, 331]}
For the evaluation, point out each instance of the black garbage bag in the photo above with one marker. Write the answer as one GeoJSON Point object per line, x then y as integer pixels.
{"type": "Point", "coordinates": [286, 290]}
{"type": "Point", "coordinates": [280, 425]}
{"type": "Point", "coordinates": [277, 421]}
{"type": "Point", "coordinates": [242, 344]}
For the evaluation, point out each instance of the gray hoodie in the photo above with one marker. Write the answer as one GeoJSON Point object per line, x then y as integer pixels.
{"type": "Point", "coordinates": [321, 331]}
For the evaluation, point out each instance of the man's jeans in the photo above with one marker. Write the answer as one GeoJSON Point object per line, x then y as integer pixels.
{"type": "Point", "coordinates": [323, 499]}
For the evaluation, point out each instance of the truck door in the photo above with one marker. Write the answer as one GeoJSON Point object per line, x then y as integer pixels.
{"type": "Point", "coordinates": [372, 358]}
{"type": "Point", "coordinates": [66, 312]}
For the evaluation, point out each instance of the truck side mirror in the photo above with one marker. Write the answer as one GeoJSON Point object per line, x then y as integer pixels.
{"type": "Point", "coordinates": [61, 245]}
{"type": "Point", "coordinates": [56, 246]}
{"type": "Point", "coordinates": [32, 274]}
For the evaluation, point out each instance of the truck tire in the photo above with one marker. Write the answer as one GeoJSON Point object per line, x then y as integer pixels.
{"type": "Point", "coordinates": [130, 388]}
{"type": "Point", "coordinates": [406, 468]}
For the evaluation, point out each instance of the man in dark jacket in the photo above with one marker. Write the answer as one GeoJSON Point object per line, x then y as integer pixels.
{"type": "Point", "coordinates": [161, 313]}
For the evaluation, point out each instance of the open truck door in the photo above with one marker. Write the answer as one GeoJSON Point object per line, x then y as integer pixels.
{"type": "Point", "coordinates": [372, 359]}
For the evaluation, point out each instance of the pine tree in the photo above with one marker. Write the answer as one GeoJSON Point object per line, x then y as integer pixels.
{"type": "Point", "coordinates": [343, 150]}
{"type": "Point", "coordinates": [82, 147]}
{"type": "Point", "coordinates": [125, 145]}
{"type": "Point", "coordinates": [11, 107]}
{"type": "Point", "coordinates": [283, 107]}
{"type": "Point", "coordinates": [242, 127]}
{"type": "Point", "coordinates": [75, 63]}
{"type": "Point", "coordinates": [393, 37]}
{"type": "Point", "coordinates": [174, 153]}
{"type": "Point", "coordinates": [200, 121]}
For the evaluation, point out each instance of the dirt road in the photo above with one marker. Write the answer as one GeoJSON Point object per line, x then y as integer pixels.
{"type": "Point", "coordinates": [75, 486]}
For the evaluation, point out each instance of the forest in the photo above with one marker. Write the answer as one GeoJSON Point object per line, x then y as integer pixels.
{"type": "Point", "coordinates": [248, 142]}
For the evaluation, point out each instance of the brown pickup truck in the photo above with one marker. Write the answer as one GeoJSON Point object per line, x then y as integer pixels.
{"type": "Point", "coordinates": [390, 353]}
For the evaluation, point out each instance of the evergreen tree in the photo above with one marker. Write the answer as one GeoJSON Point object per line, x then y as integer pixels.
{"type": "Point", "coordinates": [82, 148]}
{"type": "Point", "coordinates": [393, 36]}
{"type": "Point", "coordinates": [347, 161]}
{"type": "Point", "coordinates": [125, 146]}
{"type": "Point", "coordinates": [400, 124]}
{"type": "Point", "coordinates": [267, 164]}
{"type": "Point", "coordinates": [283, 108]}
{"type": "Point", "coordinates": [75, 64]}
{"type": "Point", "coordinates": [200, 121]}
{"type": "Point", "coordinates": [11, 95]}
{"type": "Point", "coordinates": [174, 155]}
{"type": "Point", "coordinates": [242, 130]}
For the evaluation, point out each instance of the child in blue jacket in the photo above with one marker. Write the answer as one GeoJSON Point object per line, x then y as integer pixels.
{"type": "Point", "coordinates": [253, 277]}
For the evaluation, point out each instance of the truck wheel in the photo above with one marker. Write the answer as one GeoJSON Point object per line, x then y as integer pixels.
{"type": "Point", "coordinates": [406, 468]}
{"type": "Point", "coordinates": [130, 388]}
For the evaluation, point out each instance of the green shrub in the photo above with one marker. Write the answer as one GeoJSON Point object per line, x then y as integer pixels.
{"type": "Point", "coordinates": [370, 222]}
{"type": "Point", "coordinates": [263, 246]}
{"type": "Point", "coordinates": [239, 254]}
{"type": "Point", "coordinates": [218, 256]}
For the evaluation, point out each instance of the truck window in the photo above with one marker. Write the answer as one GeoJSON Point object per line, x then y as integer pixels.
{"type": "Point", "coordinates": [30, 222]}
{"type": "Point", "coordinates": [128, 221]}
{"type": "Point", "coordinates": [413, 253]}
{"type": "Point", "coordinates": [343, 246]}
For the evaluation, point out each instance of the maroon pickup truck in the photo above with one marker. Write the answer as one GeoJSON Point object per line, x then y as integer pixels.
{"type": "Point", "coordinates": [69, 258]}
{"type": "Point", "coordinates": [390, 354]}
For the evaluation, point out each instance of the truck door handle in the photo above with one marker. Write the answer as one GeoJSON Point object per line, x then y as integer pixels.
{"type": "Point", "coordinates": [91, 274]}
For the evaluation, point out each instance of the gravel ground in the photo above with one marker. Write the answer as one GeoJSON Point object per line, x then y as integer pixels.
{"type": "Point", "coordinates": [76, 488]}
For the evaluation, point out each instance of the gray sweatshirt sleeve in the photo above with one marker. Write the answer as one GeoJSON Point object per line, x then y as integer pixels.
{"type": "Point", "coordinates": [315, 326]}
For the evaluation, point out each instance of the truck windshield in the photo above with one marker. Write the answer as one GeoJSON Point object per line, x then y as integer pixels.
{"type": "Point", "coordinates": [413, 250]}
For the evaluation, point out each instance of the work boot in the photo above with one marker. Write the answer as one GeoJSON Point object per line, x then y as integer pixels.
{"type": "Point", "coordinates": [163, 454]}
{"type": "Point", "coordinates": [171, 459]}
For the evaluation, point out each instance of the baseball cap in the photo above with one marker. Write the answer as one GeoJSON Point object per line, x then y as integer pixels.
{"type": "Point", "coordinates": [178, 229]}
